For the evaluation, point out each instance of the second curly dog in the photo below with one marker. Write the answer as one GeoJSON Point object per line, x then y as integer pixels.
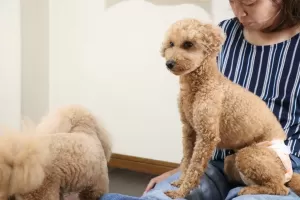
{"type": "Point", "coordinates": [217, 113]}
{"type": "Point", "coordinates": [67, 152]}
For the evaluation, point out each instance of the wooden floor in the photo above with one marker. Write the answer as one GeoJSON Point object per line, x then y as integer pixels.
{"type": "Point", "coordinates": [125, 182]}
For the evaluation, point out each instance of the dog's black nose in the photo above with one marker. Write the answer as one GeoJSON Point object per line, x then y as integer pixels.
{"type": "Point", "coordinates": [170, 64]}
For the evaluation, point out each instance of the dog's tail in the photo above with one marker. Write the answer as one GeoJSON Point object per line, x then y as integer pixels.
{"type": "Point", "coordinates": [294, 183]}
{"type": "Point", "coordinates": [23, 158]}
{"type": "Point", "coordinates": [74, 119]}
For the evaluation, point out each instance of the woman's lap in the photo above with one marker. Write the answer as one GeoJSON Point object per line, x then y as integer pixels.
{"type": "Point", "coordinates": [214, 185]}
{"type": "Point", "coordinates": [232, 195]}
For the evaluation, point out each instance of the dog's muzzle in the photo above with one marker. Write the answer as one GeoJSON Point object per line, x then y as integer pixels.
{"type": "Point", "coordinates": [170, 64]}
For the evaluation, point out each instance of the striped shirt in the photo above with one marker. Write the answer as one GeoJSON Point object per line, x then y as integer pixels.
{"type": "Point", "coordinates": [272, 72]}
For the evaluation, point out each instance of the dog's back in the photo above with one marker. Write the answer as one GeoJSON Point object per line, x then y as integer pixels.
{"type": "Point", "coordinates": [67, 152]}
{"type": "Point", "coordinates": [74, 119]}
{"type": "Point", "coordinates": [246, 117]}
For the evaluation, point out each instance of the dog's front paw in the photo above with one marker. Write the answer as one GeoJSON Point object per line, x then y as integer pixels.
{"type": "Point", "coordinates": [175, 194]}
{"type": "Point", "coordinates": [248, 191]}
{"type": "Point", "coordinates": [242, 192]}
{"type": "Point", "coordinates": [177, 183]}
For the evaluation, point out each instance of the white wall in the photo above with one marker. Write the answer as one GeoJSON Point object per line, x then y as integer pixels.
{"type": "Point", "coordinates": [35, 57]}
{"type": "Point", "coordinates": [105, 55]}
{"type": "Point", "coordinates": [220, 10]}
{"type": "Point", "coordinates": [10, 63]}
{"type": "Point", "coordinates": [66, 50]}
{"type": "Point", "coordinates": [107, 58]}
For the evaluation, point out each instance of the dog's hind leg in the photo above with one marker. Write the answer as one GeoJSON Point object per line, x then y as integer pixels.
{"type": "Point", "coordinates": [262, 171]}
{"type": "Point", "coordinates": [188, 141]}
{"type": "Point", "coordinates": [94, 192]}
{"type": "Point", "coordinates": [49, 190]}
{"type": "Point", "coordinates": [231, 171]}
{"type": "Point", "coordinates": [46, 193]}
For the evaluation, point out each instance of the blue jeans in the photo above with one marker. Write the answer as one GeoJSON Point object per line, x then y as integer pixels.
{"type": "Point", "coordinates": [214, 185]}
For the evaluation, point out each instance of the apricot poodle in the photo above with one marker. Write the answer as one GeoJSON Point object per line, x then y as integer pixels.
{"type": "Point", "coordinates": [67, 152]}
{"type": "Point", "coordinates": [217, 113]}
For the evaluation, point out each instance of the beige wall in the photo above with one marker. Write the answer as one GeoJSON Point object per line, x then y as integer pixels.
{"type": "Point", "coordinates": [10, 63]}
{"type": "Point", "coordinates": [35, 57]}
{"type": "Point", "coordinates": [105, 55]}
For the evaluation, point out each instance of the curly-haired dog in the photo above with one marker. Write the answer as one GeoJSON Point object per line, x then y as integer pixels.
{"type": "Point", "coordinates": [67, 152]}
{"type": "Point", "coordinates": [216, 112]}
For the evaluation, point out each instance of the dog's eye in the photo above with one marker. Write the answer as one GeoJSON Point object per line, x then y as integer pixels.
{"type": "Point", "coordinates": [187, 45]}
{"type": "Point", "coordinates": [171, 44]}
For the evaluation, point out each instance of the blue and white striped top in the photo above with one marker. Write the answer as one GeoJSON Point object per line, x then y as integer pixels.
{"type": "Point", "coordinates": [271, 72]}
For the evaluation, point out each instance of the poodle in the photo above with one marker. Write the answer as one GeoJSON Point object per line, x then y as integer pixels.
{"type": "Point", "coordinates": [67, 152]}
{"type": "Point", "coordinates": [217, 113]}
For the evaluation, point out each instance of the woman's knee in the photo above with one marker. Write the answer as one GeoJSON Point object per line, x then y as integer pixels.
{"type": "Point", "coordinates": [213, 185]}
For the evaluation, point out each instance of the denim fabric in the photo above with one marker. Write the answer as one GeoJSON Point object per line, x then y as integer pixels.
{"type": "Point", "coordinates": [213, 186]}
{"type": "Point", "coordinates": [231, 194]}
{"type": "Point", "coordinates": [296, 164]}
{"type": "Point", "coordinates": [157, 193]}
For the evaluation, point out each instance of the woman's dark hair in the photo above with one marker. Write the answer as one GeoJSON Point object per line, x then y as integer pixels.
{"type": "Point", "coordinates": [290, 15]}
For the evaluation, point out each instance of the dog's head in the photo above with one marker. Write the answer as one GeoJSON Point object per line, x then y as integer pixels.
{"type": "Point", "coordinates": [188, 43]}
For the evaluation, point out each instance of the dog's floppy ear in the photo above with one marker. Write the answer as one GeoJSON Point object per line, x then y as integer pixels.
{"type": "Point", "coordinates": [215, 37]}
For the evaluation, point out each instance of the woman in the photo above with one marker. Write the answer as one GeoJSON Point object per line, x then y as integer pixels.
{"type": "Point", "coordinates": [262, 54]}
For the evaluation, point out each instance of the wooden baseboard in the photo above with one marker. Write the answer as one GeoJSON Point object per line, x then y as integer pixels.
{"type": "Point", "coordinates": [138, 164]}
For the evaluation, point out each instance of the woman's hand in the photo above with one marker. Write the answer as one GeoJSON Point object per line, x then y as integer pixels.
{"type": "Point", "coordinates": [160, 178]}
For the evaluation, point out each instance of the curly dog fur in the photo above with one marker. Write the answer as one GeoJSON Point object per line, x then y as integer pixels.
{"type": "Point", "coordinates": [67, 152]}
{"type": "Point", "coordinates": [217, 113]}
